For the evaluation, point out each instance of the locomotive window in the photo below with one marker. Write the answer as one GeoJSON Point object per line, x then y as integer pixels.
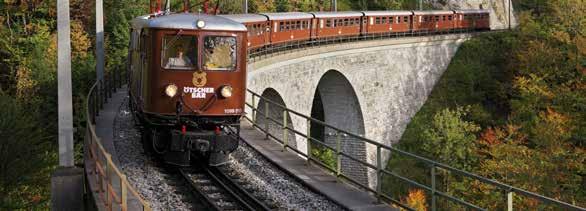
{"type": "Point", "coordinates": [179, 52]}
{"type": "Point", "coordinates": [219, 53]}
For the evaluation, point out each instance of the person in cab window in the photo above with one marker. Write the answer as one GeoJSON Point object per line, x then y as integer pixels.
{"type": "Point", "coordinates": [179, 61]}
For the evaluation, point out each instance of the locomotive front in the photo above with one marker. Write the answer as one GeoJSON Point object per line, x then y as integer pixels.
{"type": "Point", "coordinates": [190, 94]}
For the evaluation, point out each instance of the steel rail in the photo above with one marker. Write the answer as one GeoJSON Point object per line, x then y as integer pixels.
{"type": "Point", "coordinates": [243, 198]}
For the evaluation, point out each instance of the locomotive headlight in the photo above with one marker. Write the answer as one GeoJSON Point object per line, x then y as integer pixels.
{"type": "Point", "coordinates": [226, 91]}
{"type": "Point", "coordinates": [171, 90]}
{"type": "Point", "coordinates": [200, 24]}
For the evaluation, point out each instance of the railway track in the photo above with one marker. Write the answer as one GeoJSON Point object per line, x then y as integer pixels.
{"type": "Point", "coordinates": [221, 191]}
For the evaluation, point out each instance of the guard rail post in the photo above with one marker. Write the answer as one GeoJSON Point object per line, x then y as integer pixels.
{"type": "Point", "coordinates": [253, 110]}
{"type": "Point", "coordinates": [308, 140]}
{"type": "Point", "coordinates": [509, 200]}
{"type": "Point", "coordinates": [267, 120]}
{"type": "Point", "coordinates": [124, 192]}
{"type": "Point", "coordinates": [338, 159]}
{"type": "Point", "coordinates": [108, 182]}
{"type": "Point", "coordinates": [433, 197]}
{"type": "Point", "coordinates": [285, 132]}
{"type": "Point", "coordinates": [378, 173]}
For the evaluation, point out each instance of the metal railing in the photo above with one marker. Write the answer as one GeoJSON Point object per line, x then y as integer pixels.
{"type": "Point", "coordinates": [434, 191]}
{"type": "Point", "coordinates": [287, 47]}
{"type": "Point", "coordinates": [112, 187]}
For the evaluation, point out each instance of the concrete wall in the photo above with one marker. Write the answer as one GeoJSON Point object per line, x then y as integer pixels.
{"type": "Point", "coordinates": [391, 80]}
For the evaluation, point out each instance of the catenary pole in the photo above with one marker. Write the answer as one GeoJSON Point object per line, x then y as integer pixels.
{"type": "Point", "coordinates": [334, 5]}
{"type": "Point", "coordinates": [99, 40]}
{"type": "Point", "coordinates": [64, 85]}
{"type": "Point", "coordinates": [245, 7]}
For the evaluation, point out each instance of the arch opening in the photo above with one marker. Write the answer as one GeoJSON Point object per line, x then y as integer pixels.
{"type": "Point", "coordinates": [335, 103]}
{"type": "Point", "coordinates": [275, 113]}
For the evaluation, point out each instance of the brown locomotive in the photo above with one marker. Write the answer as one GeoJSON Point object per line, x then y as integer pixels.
{"type": "Point", "coordinates": [187, 84]}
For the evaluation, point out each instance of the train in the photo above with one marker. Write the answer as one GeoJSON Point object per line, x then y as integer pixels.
{"type": "Point", "coordinates": [187, 71]}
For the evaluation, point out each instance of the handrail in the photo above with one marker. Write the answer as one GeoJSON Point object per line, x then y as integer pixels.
{"type": "Point", "coordinates": [112, 185]}
{"type": "Point", "coordinates": [378, 167]}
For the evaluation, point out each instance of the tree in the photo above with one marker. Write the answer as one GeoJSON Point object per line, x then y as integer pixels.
{"type": "Point", "coordinates": [24, 155]}
{"type": "Point", "coordinates": [450, 139]}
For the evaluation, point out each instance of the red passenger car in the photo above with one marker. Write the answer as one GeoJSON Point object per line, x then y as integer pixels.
{"type": "Point", "coordinates": [335, 24]}
{"type": "Point", "coordinates": [289, 26]}
{"type": "Point", "coordinates": [387, 21]}
{"type": "Point", "coordinates": [472, 19]}
{"type": "Point", "coordinates": [438, 20]}
{"type": "Point", "coordinates": [258, 28]}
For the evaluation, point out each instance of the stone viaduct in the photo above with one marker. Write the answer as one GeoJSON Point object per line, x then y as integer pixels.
{"type": "Point", "coordinates": [372, 88]}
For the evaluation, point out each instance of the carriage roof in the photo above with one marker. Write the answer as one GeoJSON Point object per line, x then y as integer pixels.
{"type": "Point", "coordinates": [337, 14]}
{"type": "Point", "coordinates": [387, 13]}
{"type": "Point", "coordinates": [472, 11]}
{"type": "Point", "coordinates": [187, 21]}
{"type": "Point", "coordinates": [288, 15]}
{"type": "Point", "coordinates": [246, 18]}
{"type": "Point", "coordinates": [433, 12]}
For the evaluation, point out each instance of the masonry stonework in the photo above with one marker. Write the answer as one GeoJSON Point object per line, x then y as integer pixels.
{"type": "Point", "coordinates": [391, 80]}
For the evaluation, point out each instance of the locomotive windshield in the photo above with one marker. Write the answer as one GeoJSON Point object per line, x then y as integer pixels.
{"type": "Point", "coordinates": [179, 52]}
{"type": "Point", "coordinates": [219, 53]}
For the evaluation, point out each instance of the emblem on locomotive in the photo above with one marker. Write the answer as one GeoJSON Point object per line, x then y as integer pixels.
{"type": "Point", "coordinates": [199, 78]}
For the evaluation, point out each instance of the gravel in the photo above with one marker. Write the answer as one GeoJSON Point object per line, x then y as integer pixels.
{"type": "Point", "coordinates": [272, 183]}
{"type": "Point", "coordinates": [163, 191]}
{"type": "Point", "coordinates": [159, 187]}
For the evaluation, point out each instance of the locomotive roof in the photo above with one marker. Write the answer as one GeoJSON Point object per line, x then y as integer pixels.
{"type": "Point", "coordinates": [246, 18]}
{"type": "Point", "coordinates": [187, 21]}
{"type": "Point", "coordinates": [433, 12]}
{"type": "Point", "coordinates": [288, 15]}
{"type": "Point", "coordinates": [337, 14]}
{"type": "Point", "coordinates": [384, 13]}
{"type": "Point", "coordinates": [472, 11]}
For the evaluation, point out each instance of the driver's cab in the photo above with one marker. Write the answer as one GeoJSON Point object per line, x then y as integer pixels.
{"type": "Point", "coordinates": [191, 59]}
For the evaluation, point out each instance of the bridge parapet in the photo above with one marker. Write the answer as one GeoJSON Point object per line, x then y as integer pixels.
{"type": "Point", "coordinates": [109, 187]}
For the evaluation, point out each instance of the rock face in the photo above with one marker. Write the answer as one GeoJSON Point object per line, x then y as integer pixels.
{"type": "Point", "coordinates": [499, 10]}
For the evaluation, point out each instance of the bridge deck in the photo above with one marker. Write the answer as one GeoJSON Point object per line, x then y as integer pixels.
{"type": "Point", "coordinates": [311, 176]}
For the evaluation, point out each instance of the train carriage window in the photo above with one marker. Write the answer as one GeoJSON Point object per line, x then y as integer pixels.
{"type": "Point", "coordinates": [328, 23]}
{"type": "Point", "coordinates": [391, 20]}
{"type": "Point", "coordinates": [406, 19]}
{"type": "Point", "coordinates": [281, 26]}
{"type": "Point", "coordinates": [377, 21]}
{"type": "Point", "coordinates": [437, 18]}
{"type": "Point", "coordinates": [449, 18]}
{"type": "Point", "coordinates": [219, 53]}
{"type": "Point", "coordinates": [299, 26]}
{"type": "Point", "coordinates": [179, 52]}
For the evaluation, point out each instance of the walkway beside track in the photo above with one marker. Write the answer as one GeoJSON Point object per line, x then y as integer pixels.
{"type": "Point", "coordinates": [104, 128]}
{"type": "Point", "coordinates": [311, 176]}
{"type": "Point", "coordinates": [105, 122]}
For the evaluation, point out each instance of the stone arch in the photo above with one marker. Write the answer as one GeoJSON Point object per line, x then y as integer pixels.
{"type": "Point", "coordinates": [336, 103]}
{"type": "Point", "coordinates": [275, 113]}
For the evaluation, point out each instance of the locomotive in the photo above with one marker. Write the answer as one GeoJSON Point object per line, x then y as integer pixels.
{"type": "Point", "coordinates": [187, 84]}
{"type": "Point", "coordinates": [187, 81]}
